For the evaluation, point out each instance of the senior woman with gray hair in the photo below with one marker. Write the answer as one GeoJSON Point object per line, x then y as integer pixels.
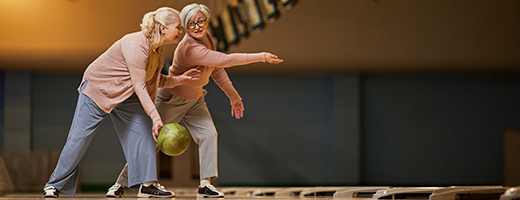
{"type": "Point", "coordinates": [186, 102]}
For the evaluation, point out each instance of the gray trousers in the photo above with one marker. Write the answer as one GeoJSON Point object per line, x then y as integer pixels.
{"type": "Point", "coordinates": [134, 129]}
{"type": "Point", "coordinates": [195, 115]}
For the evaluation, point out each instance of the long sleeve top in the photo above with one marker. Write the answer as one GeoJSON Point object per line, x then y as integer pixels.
{"type": "Point", "coordinates": [201, 54]}
{"type": "Point", "coordinates": [121, 71]}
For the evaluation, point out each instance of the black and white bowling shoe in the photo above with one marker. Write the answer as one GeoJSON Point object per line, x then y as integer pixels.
{"type": "Point", "coordinates": [209, 191]}
{"type": "Point", "coordinates": [116, 191]}
{"type": "Point", "coordinates": [154, 190]}
{"type": "Point", "coordinates": [50, 192]}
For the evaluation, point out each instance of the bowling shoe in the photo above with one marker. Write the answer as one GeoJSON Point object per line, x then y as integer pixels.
{"type": "Point", "coordinates": [209, 191]}
{"type": "Point", "coordinates": [116, 191]}
{"type": "Point", "coordinates": [154, 190]}
{"type": "Point", "coordinates": [50, 192]}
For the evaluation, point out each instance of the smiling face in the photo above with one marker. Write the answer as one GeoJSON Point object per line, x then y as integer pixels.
{"type": "Point", "coordinates": [171, 32]}
{"type": "Point", "coordinates": [197, 26]}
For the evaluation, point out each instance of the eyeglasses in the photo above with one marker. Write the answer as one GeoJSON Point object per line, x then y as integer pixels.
{"type": "Point", "coordinates": [199, 23]}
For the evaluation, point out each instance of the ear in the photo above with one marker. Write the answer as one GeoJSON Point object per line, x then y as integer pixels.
{"type": "Point", "coordinates": [163, 28]}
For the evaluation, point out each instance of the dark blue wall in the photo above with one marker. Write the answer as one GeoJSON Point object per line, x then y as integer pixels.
{"type": "Point", "coordinates": [432, 129]}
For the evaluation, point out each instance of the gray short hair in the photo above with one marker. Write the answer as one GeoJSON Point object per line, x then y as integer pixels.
{"type": "Point", "coordinates": [191, 10]}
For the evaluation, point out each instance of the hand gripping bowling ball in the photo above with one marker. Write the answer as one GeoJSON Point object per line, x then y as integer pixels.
{"type": "Point", "coordinates": [173, 139]}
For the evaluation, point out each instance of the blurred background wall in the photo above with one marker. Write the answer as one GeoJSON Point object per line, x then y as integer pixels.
{"type": "Point", "coordinates": [372, 92]}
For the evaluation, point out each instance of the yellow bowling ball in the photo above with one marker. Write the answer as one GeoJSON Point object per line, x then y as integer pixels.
{"type": "Point", "coordinates": [173, 139]}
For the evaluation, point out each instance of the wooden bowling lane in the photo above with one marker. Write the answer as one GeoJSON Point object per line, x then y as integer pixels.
{"type": "Point", "coordinates": [340, 193]}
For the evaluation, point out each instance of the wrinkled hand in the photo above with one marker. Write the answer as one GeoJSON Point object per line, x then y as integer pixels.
{"type": "Point", "coordinates": [157, 125]}
{"type": "Point", "coordinates": [237, 109]}
{"type": "Point", "coordinates": [190, 75]}
{"type": "Point", "coordinates": [271, 58]}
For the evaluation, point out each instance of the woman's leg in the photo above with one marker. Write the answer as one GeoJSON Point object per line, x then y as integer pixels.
{"type": "Point", "coordinates": [134, 128]}
{"type": "Point", "coordinates": [199, 122]}
{"type": "Point", "coordinates": [203, 131]}
{"type": "Point", "coordinates": [87, 118]}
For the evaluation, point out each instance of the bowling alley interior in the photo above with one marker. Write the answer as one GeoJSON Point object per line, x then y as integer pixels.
{"type": "Point", "coordinates": [380, 99]}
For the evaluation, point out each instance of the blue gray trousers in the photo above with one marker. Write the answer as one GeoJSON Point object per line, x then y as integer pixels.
{"type": "Point", "coordinates": [195, 115]}
{"type": "Point", "coordinates": [134, 129]}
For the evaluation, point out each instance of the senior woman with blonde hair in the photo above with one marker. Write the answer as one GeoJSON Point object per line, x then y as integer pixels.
{"type": "Point", "coordinates": [122, 83]}
{"type": "Point", "coordinates": [197, 51]}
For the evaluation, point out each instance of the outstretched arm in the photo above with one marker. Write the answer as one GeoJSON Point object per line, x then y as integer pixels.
{"type": "Point", "coordinates": [200, 55]}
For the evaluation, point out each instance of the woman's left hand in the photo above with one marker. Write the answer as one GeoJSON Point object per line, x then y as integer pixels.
{"type": "Point", "coordinates": [237, 109]}
{"type": "Point", "coordinates": [190, 75]}
{"type": "Point", "coordinates": [271, 58]}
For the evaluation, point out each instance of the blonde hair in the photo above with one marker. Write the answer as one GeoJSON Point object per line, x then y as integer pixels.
{"type": "Point", "coordinates": [191, 10]}
{"type": "Point", "coordinates": [152, 21]}
{"type": "Point", "coordinates": [151, 28]}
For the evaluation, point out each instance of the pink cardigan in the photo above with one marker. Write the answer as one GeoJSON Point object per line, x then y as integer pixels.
{"type": "Point", "coordinates": [121, 71]}
{"type": "Point", "coordinates": [192, 53]}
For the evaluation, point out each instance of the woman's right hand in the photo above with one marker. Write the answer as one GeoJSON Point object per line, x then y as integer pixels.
{"type": "Point", "coordinates": [271, 58]}
{"type": "Point", "coordinates": [157, 125]}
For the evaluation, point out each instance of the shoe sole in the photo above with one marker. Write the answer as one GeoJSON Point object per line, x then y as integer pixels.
{"type": "Point", "coordinates": [151, 195]}
{"type": "Point", "coordinates": [114, 196]}
{"type": "Point", "coordinates": [51, 195]}
{"type": "Point", "coordinates": [209, 196]}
